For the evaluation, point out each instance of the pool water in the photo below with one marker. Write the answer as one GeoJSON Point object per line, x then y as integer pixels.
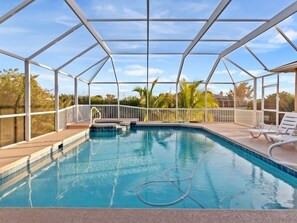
{"type": "Point", "coordinates": [108, 170]}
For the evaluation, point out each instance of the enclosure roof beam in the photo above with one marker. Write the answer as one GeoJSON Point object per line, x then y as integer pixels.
{"type": "Point", "coordinates": [98, 70]}
{"type": "Point", "coordinates": [114, 70]}
{"type": "Point", "coordinates": [214, 67]}
{"type": "Point", "coordinates": [241, 68]}
{"type": "Point", "coordinates": [216, 13]}
{"type": "Point", "coordinates": [150, 82]}
{"type": "Point", "coordinates": [126, 53]}
{"type": "Point", "coordinates": [74, 7]}
{"type": "Point", "coordinates": [15, 10]}
{"type": "Point", "coordinates": [286, 37]}
{"type": "Point", "coordinates": [173, 20]}
{"type": "Point", "coordinates": [255, 56]}
{"type": "Point", "coordinates": [77, 56]}
{"type": "Point", "coordinates": [290, 10]}
{"type": "Point", "coordinates": [228, 72]}
{"type": "Point", "coordinates": [50, 68]}
{"type": "Point", "coordinates": [54, 41]}
{"type": "Point", "coordinates": [169, 40]}
{"type": "Point", "coordinates": [220, 8]}
{"type": "Point", "coordinates": [12, 55]}
{"type": "Point", "coordinates": [104, 58]}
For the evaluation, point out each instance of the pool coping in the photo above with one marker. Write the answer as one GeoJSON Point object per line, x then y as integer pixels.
{"type": "Point", "coordinates": [26, 160]}
{"type": "Point", "coordinates": [91, 215]}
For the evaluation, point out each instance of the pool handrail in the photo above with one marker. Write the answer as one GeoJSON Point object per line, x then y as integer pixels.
{"type": "Point", "coordinates": [91, 115]}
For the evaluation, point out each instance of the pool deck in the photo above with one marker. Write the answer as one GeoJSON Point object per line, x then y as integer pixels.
{"type": "Point", "coordinates": [29, 151]}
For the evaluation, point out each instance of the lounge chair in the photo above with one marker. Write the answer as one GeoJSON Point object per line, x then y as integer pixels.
{"type": "Point", "coordinates": [286, 139]}
{"type": "Point", "coordinates": [283, 137]}
{"type": "Point", "coordinates": [287, 125]}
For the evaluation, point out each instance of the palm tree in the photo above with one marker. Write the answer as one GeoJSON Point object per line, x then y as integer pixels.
{"type": "Point", "coordinates": [145, 94]}
{"type": "Point", "coordinates": [190, 96]}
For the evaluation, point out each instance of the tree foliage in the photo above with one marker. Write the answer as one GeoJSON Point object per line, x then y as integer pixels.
{"type": "Point", "coordinates": [243, 91]}
{"type": "Point", "coordinates": [190, 96]}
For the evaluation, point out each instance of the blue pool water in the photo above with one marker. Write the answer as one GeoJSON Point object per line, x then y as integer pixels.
{"type": "Point", "coordinates": [110, 168]}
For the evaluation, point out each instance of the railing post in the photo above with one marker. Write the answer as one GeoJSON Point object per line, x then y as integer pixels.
{"type": "Point", "coordinates": [234, 102]}
{"type": "Point", "coordinates": [118, 97]}
{"type": "Point", "coordinates": [277, 99]}
{"type": "Point", "coordinates": [57, 102]}
{"type": "Point", "coordinates": [205, 104]}
{"type": "Point", "coordinates": [27, 101]}
{"type": "Point", "coordinates": [176, 102]}
{"type": "Point", "coordinates": [255, 103]}
{"type": "Point", "coordinates": [75, 100]}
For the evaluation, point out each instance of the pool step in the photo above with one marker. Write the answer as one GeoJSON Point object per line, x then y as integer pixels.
{"type": "Point", "coordinates": [78, 126]}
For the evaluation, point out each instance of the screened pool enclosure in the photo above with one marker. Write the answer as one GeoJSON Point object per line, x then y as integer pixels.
{"type": "Point", "coordinates": [60, 58]}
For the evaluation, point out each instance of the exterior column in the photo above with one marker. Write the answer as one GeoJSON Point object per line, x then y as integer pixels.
{"type": "Point", "coordinates": [89, 94]}
{"type": "Point", "coordinates": [57, 101]}
{"type": "Point", "coordinates": [295, 104]}
{"type": "Point", "coordinates": [27, 101]}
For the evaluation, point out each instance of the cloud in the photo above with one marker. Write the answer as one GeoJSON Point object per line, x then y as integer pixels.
{"type": "Point", "coordinates": [106, 9]}
{"type": "Point", "coordinates": [109, 10]}
{"type": "Point", "coordinates": [225, 72]}
{"type": "Point", "coordinates": [12, 30]}
{"type": "Point", "coordinates": [272, 40]}
{"type": "Point", "coordinates": [195, 7]}
{"type": "Point", "coordinates": [279, 39]}
{"type": "Point", "coordinates": [66, 20]}
{"type": "Point", "coordinates": [288, 79]}
{"type": "Point", "coordinates": [130, 47]}
{"type": "Point", "coordinates": [118, 70]}
{"type": "Point", "coordinates": [253, 72]}
{"type": "Point", "coordinates": [138, 70]}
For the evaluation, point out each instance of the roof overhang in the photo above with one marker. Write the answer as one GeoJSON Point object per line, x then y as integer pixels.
{"type": "Point", "coordinates": [290, 67]}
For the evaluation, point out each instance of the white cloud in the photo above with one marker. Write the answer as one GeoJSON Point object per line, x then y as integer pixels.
{"type": "Point", "coordinates": [12, 30]}
{"type": "Point", "coordinates": [118, 70]}
{"type": "Point", "coordinates": [278, 39]}
{"type": "Point", "coordinates": [108, 9]}
{"type": "Point", "coordinates": [225, 72]}
{"type": "Point", "coordinates": [253, 72]}
{"type": "Point", "coordinates": [116, 10]}
{"type": "Point", "coordinates": [288, 79]}
{"type": "Point", "coordinates": [96, 87]}
{"type": "Point", "coordinates": [66, 20]}
{"type": "Point", "coordinates": [138, 70]}
{"type": "Point", "coordinates": [195, 7]}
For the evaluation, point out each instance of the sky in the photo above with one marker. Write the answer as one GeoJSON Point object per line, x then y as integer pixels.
{"type": "Point", "coordinates": [44, 20]}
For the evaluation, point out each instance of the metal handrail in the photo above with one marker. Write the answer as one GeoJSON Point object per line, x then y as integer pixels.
{"type": "Point", "coordinates": [278, 144]}
{"type": "Point", "coordinates": [91, 115]}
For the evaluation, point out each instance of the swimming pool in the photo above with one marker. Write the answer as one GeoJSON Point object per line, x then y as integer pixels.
{"type": "Point", "coordinates": [111, 168]}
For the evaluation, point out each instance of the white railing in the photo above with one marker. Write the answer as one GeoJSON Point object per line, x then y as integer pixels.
{"type": "Point", "coordinates": [220, 115]}
{"type": "Point", "coordinates": [83, 112]}
{"type": "Point", "coordinates": [240, 116]}
{"type": "Point", "coordinates": [66, 116]}
{"type": "Point", "coordinates": [245, 117]}
{"type": "Point", "coordinates": [132, 112]}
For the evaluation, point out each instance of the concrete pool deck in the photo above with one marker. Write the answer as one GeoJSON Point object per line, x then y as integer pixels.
{"type": "Point", "coordinates": [25, 151]}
